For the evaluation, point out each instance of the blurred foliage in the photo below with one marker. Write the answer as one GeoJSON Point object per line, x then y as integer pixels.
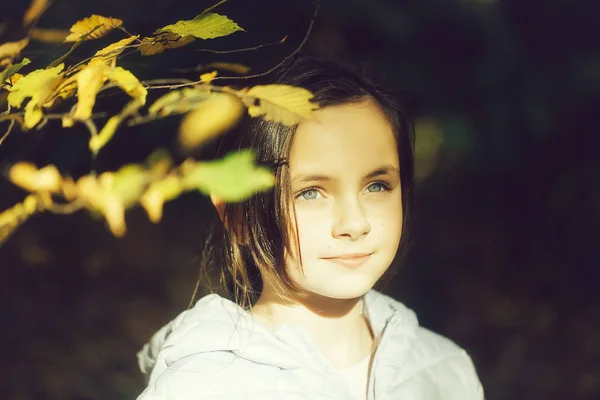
{"type": "Point", "coordinates": [506, 253]}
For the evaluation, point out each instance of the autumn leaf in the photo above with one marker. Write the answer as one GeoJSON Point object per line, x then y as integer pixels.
{"type": "Point", "coordinates": [89, 81]}
{"type": "Point", "coordinates": [155, 45]}
{"type": "Point", "coordinates": [100, 26]}
{"type": "Point", "coordinates": [97, 194]}
{"type": "Point", "coordinates": [12, 70]}
{"type": "Point", "coordinates": [35, 9]}
{"type": "Point", "coordinates": [204, 26]}
{"type": "Point", "coordinates": [208, 77]}
{"type": "Point", "coordinates": [284, 104]}
{"type": "Point", "coordinates": [178, 101]}
{"type": "Point", "coordinates": [13, 217]}
{"type": "Point", "coordinates": [128, 82]}
{"type": "Point", "coordinates": [111, 52]}
{"type": "Point", "coordinates": [48, 35]}
{"type": "Point", "coordinates": [38, 85]}
{"type": "Point", "coordinates": [159, 162]}
{"type": "Point", "coordinates": [27, 176]}
{"type": "Point", "coordinates": [233, 178]}
{"type": "Point", "coordinates": [109, 129]}
{"type": "Point", "coordinates": [10, 50]}
{"type": "Point", "coordinates": [237, 68]}
{"type": "Point", "coordinates": [211, 117]}
{"type": "Point", "coordinates": [129, 183]}
{"type": "Point", "coordinates": [158, 193]}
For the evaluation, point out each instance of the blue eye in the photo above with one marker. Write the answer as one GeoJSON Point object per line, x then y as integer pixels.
{"type": "Point", "coordinates": [309, 194]}
{"type": "Point", "coordinates": [377, 187]}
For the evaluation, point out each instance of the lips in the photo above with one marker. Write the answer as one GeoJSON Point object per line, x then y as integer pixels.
{"type": "Point", "coordinates": [350, 260]}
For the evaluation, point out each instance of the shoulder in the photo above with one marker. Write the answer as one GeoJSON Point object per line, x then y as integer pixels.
{"type": "Point", "coordinates": [436, 362]}
{"type": "Point", "coordinates": [216, 375]}
{"type": "Point", "coordinates": [417, 360]}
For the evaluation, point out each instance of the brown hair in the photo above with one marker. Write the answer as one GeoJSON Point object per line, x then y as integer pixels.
{"type": "Point", "coordinates": [258, 234]}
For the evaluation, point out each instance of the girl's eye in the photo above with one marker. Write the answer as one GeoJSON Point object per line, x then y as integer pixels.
{"type": "Point", "coordinates": [377, 187]}
{"type": "Point", "coordinates": [309, 194]}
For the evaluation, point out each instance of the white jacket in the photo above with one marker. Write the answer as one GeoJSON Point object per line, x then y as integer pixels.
{"type": "Point", "coordinates": [217, 351]}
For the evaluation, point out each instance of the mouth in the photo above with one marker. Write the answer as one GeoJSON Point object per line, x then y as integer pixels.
{"type": "Point", "coordinates": [350, 260]}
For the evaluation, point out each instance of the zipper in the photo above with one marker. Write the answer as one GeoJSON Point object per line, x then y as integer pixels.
{"type": "Point", "coordinates": [383, 338]}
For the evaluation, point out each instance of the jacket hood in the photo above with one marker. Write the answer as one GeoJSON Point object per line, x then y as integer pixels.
{"type": "Point", "coordinates": [217, 324]}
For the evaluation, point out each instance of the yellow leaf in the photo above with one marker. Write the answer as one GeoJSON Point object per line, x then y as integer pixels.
{"type": "Point", "coordinates": [14, 78]}
{"type": "Point", "coordinates": [99, 197]}
{"type": "Point", "coordinates": [284, 104]}
{"type": "Point", "coordinates": [129, 83]}
{"type": "Point", "coordinates": [27, 176]}
{"type": "Point", "coordinates": [211, 117]}
{"type": "Point", "coordinates": [86, 25]}
{"type": "Point", "coordinates": [33, 115]}
{"type": "Point", "coordinates": [159, 163]}
{"type": "Point", "coordinates": [204, 26]}
{"type": "Point", "coordinates": [129, 183]}
{"type": "Point", "coordinates": [89, 81]}
{"type": "Point", "coordinates": [13, 217]}
{"type": "Point", "coordinates": [66, 88]}
{"type": "Point", "coordinates": [111, 52]}
{"type": "Point", "coordinates": [159, 192]}
{"type": "Point", "coordinates": [154, 45]}
{"type": "Point", "coordinates": [49, 35]}
{"type": "Point", "coordinates": [178, 101]}
{"type": "Point", "coordinates": [114, 212]}
{"type": "Point", "coordinates": [99, 141]}
{"type": "Point", "coordinates": [10, 50]}
{"type": "Point", "coordinates": [38, 85]}
{"type": "Point", "coordinates": [208, 77]}
{"type": "Point", "coordinates": [35, 9]}
{"type": "Point", "coordinates": [237, 68]}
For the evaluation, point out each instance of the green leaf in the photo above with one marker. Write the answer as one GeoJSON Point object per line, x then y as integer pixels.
{"type": "Point", "coordinates": [234, 178]}
{"type": "Point", "coordinates": [13, 69]}
{"type": "Point", "coordinates": [204, 26]}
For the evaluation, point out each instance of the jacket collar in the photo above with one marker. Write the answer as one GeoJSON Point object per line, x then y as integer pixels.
{"type": "Point", "coordinates": [216, 324]}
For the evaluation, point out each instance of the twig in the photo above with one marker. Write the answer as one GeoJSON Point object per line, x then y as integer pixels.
{"type": "Point", "coordinates": [293, 53]}
{"type": "Point", "coordinates": [67, 208]}
{"type": "Point", "coordinates": [317, 5]}
{"type": "Point", "coordinates": [165, 82]}
{"type": "Point", "coordinates": [14, 116]}
{"type": "Point", "coordinates": [243, 49]}
{"type": "Point", "coordinates": [12, 123]}
{"type": "Point", "coordinates": [209, 9]}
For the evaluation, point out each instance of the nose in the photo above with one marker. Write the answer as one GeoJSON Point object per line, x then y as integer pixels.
{"type": "Point", "coordinates": [351, 220]}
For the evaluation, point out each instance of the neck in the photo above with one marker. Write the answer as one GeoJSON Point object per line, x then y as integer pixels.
{"type": "Point", "coordinates": [337, 326]}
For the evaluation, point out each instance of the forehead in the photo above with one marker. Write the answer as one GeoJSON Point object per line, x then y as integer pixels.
{"type": "Point", "coordinates": [343, 139]}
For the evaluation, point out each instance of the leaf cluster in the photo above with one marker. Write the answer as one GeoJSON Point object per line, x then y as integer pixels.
{"type": "Point", "coordinates": [207, 110]}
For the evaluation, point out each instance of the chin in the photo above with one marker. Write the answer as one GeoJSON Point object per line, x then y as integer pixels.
{"type": "Point", "coordinates": [345, 291]}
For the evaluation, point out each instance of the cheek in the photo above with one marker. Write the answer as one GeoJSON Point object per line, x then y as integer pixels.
{"type": "Point", "coordinates": [312, 226]}
{"type": "Point", "coordinates": [308, 228]}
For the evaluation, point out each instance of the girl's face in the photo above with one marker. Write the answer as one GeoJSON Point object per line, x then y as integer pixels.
{"type": "Point", "coordinates": [345, 184]}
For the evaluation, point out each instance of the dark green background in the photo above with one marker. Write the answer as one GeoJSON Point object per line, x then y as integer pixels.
{"type": "Point", "coordinates": [506, 251]}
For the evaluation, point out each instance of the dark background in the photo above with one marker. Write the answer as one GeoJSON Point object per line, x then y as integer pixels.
{"type": "Point", "coordinates": [505, 260]}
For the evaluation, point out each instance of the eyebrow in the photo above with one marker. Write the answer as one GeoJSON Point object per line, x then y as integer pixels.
{"type": "Point", "coordinates": [383, 170]}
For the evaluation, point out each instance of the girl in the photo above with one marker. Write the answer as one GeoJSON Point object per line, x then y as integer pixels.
{"type": "Point", "coordinates": [302, 260]}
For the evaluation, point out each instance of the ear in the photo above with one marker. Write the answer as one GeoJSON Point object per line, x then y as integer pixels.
{"type": "Point", "coordinates": [219, 205]}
